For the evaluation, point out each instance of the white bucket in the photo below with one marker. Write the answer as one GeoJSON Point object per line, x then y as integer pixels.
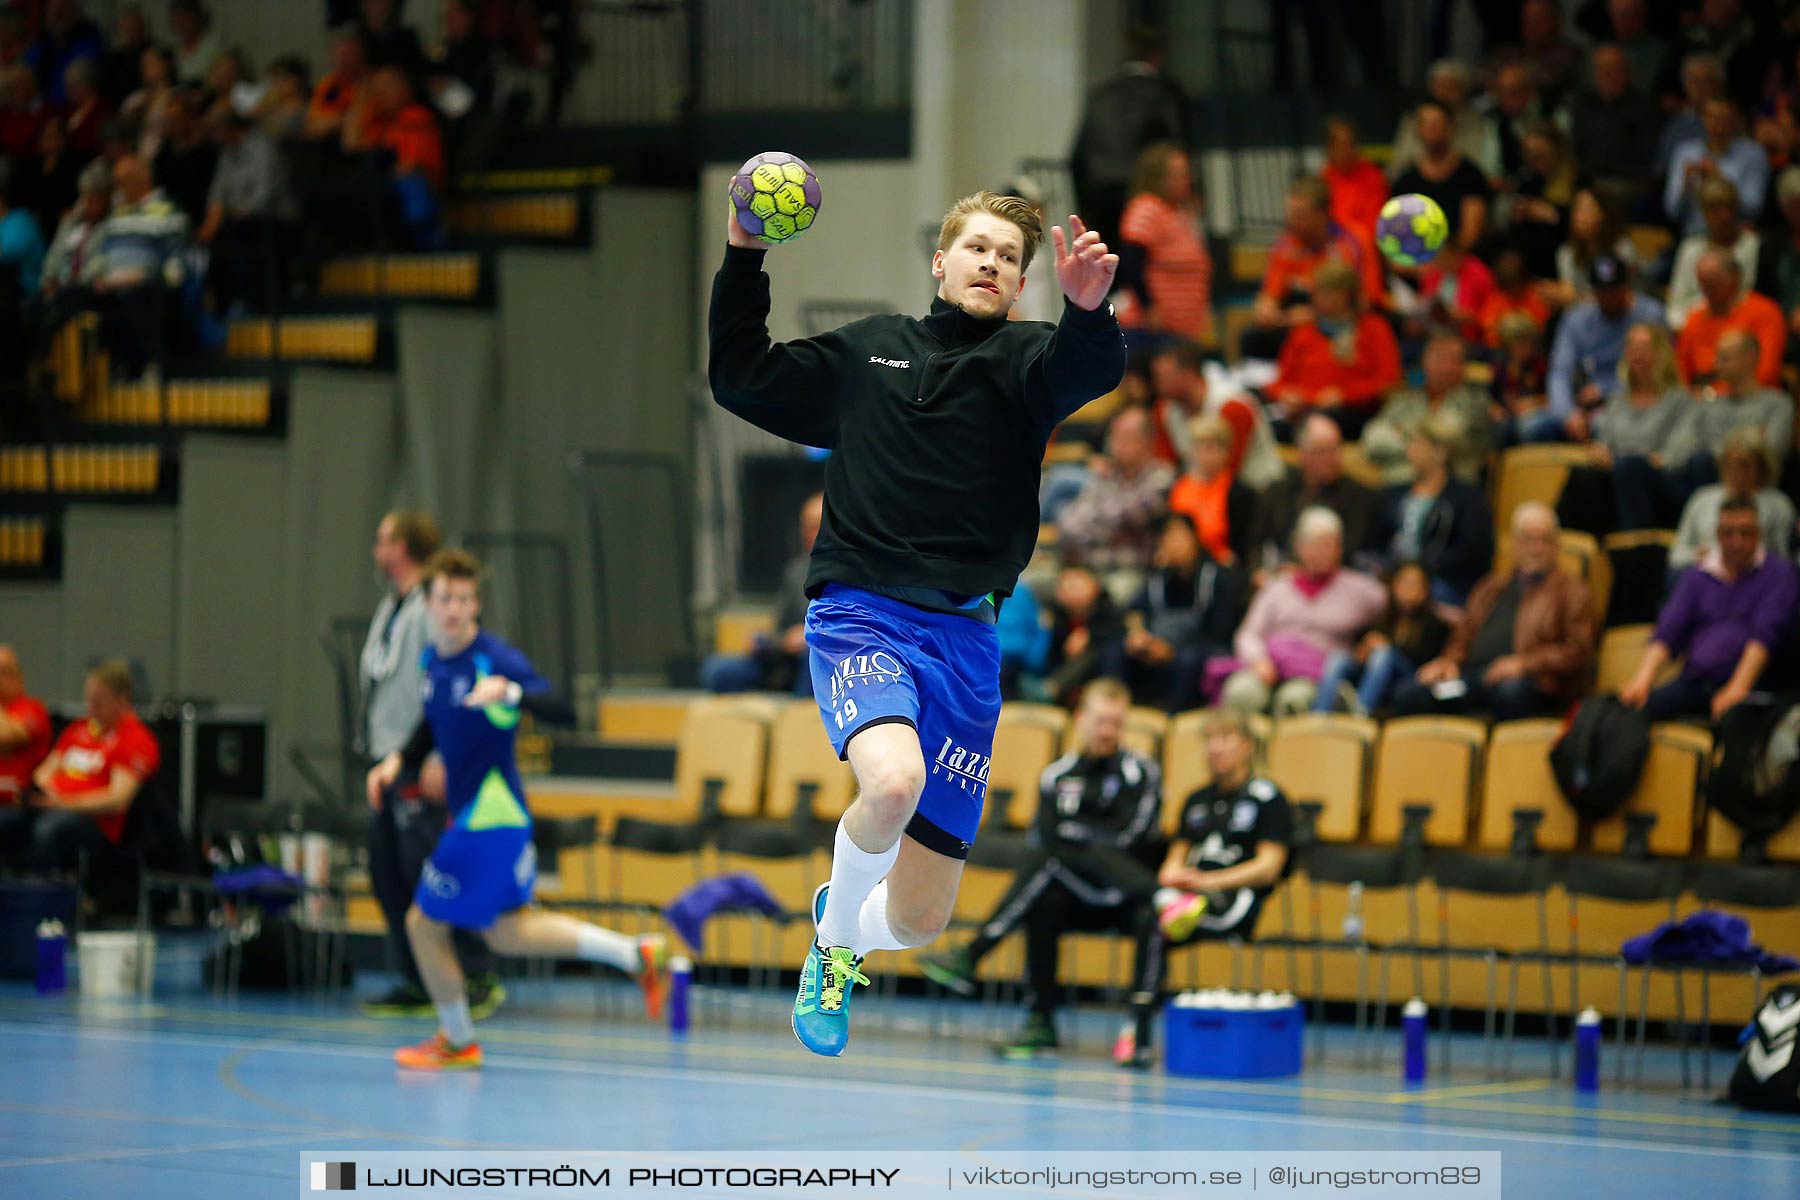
{"type": "Point", "coordinates": [115, 964]}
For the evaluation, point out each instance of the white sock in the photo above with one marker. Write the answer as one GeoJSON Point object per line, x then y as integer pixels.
{"type": "Point", "coordinates": [874, 932]}
{"type": "Point", "coordinates": [854, 874]}
{"type": "Point", "coordinates": [594, 944]}
{"type": "Point", "coordinates": [454, 1022]}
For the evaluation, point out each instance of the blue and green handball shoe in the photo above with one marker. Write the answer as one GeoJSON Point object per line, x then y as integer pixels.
{"type": "Point", "coordinates": [822, 1006]}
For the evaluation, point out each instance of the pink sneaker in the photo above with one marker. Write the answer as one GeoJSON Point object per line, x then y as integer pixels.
{"type": "Point", "coordinates": [1179, 918]}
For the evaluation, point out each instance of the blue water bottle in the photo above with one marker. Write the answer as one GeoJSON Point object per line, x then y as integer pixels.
{"type": "Point", "coordinates": [681, 977]}
{"type": "Point", "coordinates": [1587, 1050]}
{"type": "Point", "coordinates": [52, 957]}
{"type": "Point", "coordinates": [1412, 1023]}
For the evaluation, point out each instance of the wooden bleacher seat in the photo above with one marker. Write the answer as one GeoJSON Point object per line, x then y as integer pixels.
{"type": "Point", "coordinates": [800, 754]}
{"type": "Point", "coordinates": [1325, 759]}
{"type": "Point", "coordinates": [1434, 761]}
{"type": "Point", "coordinates": [1516, 776]}
{"type": "Point", "coordinates": [1532, 473]}
{"type": "Point", "coordinates": [1669, 789]}
{"type": "Point", "coordinates": [1621, 649]}
{"type": "Point", "coordinates": [1027, 739]}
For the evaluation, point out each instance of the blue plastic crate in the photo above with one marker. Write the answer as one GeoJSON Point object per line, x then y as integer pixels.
{"type": "Point", "coordinates": [1233, 1043]}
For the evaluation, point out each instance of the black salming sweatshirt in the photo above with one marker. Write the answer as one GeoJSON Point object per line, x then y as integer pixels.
{"type": "Point", "coordinates": [937, 427]}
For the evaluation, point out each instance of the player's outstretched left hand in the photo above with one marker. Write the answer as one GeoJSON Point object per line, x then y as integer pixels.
{"type": "Point", "coordinates": [1084, 268]}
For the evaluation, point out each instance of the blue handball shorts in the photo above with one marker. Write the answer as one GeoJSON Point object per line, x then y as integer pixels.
{"type": "Point", "coordinates": [475, 875]}
{"type": "Point", "coordinates": [876, 661]}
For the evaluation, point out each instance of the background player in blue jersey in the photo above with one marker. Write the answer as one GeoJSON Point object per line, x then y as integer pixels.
{"type": "Point", "coordinates": [480, 875]}
{"type": "Point", "coordinates": [938, 429]}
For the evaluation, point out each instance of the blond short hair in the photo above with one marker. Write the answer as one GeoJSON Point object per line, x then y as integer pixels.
{"type": "Point", "coordinates": [1105, 688]}
{"type": "Point", "coordinates": [1008, 208]}
{"type": "Point", "coordinates": [1210, 427]}
{"type": "Point", "coordinates": [1227, 720]}
{"type": "Point", "coordinates": [452, 563]}
{"type": "Point", "coordinates": [114, 675]}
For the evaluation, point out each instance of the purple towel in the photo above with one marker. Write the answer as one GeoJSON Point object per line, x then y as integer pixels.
{"type": "Point", "coordinates": [689, 911]}
{"type": "Point", "coordinates": [1704, 937]}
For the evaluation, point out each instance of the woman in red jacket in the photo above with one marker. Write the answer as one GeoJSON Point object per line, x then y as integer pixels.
{"type": "Point", "coordinates": [1342, 361]}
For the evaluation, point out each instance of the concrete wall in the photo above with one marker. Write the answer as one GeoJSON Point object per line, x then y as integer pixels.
{"type": "Point", "coordinates": [118, 593]}
{"type": "Point", "coordinates": [31, 622]}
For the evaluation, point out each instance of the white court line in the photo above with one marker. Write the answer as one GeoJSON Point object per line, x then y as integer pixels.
{"type": "Point", "coordinates": [938, 1094]}
{"type": "Point", "coordinates": [85, 1114]}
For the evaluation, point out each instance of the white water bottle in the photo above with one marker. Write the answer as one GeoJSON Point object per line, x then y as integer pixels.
{"type": "Point", "coordinates": [1353, 921]}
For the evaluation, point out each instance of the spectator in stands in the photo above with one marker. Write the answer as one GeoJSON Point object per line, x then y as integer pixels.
{"type": "Point", "coordinates": [121, 66]}
{"type": "Point", "coordinates": [1085, 627]}
{"type": "Point", "coordinates": [245, 208]}
{"type": "Point", "coordinates": [1438, 520]}
{"type": "Point", "coordinates": [13, 46]}
{"type": "Point", "coordinates": [1447, 392]}
{"type": "Point", "coordinates": [1179, 390]}
{"type": "Point", "coordinates": [1722, 28]}
{"type": "Point", "coordinates": [1112, 524]}
{"type": "Point", "coordinates": [1515, 294]}
{"type": "Point", "coordinates": [86, 110]}
{"type": "Point", "coordinates": [1098, 826]}
{"type": "Point", "coordinates": [336, 94]}
{"type": "Point", "coordinates": [1613, 124]}
{"type": "Point", "coordinates": [1024, 645]}
{"type": "Point", "coordinates": [86, 786]}
{"type": "Point", "coordinates": [1309, 240]}
{"type": "Point", "coordinates": [1231, 848]}
{"type": "Point", "coordinates": [1514, 105]}
{"type": "Point", "coordinates": [777, 661]}
{"type": "Point", "coordinates": [1471, 133]}
{"type": "Point", "coordinates": [185, 164]}
{"type": "Point", "coordinates": [1736, 399]}
{"type": "Point", "coordinates": [1357, 186]}
{"type": "Point", "coordinates": [1165, 270]}
{"type": "Point", "coordinates": [1516, 396]}
{"type": "Point", "coordinates": [136, 260]}
{"type": "Point", "coordinates": [1552, 58]}
{"type": "Point", "coordinates": [45, 184]}
{"type": "Point", "coordinates": [1362, 680]}
{"type": "Point", "coordinates": [1593, 231]}
{"type": "Point", "coordinates": [1729, 307]}
{"type": "Point", "coordinates": [1646, 414]}
{"type": "Point", "coordinates": [1726, 230]}
{"type": "Point", "coordinates": [1222, 509]}
{"type": "Point", "coordinates": [23, 115]}
{"type": "Point", "coordinates": [150, 104]}
{"type": "Point", "coordinates": [405, 133]}
{"type": "Point", "coordinates": [232, 86]}
{"type": "Point", "coordinates": [282, 111]}
{"type": "Point", "coordinates": [1296, 622]}
{"type": "Point", "coordinates": [1319, 482]}
{"type": "Point", "coordinates": [1183, 617]}
{"type": "Point", "coordinates": [1542, 193]}
{"type": "Point", "coordinates": [1646, 55]}
{"type": "Point", "coordinates": [390, 43]}
{"type": "Point", "coordinates": [77, 236]}
{"type": "Point", "coordinates": [24, 732]}
{"type": "Point", "coordinates": [1590, 338]}
{"type": "Point", "coordinates": [1778, 267]}
{"type": "Point", "coordinates": [65, 36]}
{"type": "Point", "coordinates": [1747, 471]}
{"type": "Point", "coordinates": [460, 73]}
{"type": "Point", "coordinates": [1727, 616]}
{"type": "Point", "coordinates": [1455, 287]}
{"type": "Point", "coordinates": [1723, 152]}
{"type": "Point", "coordinates": [196, 45]}
{"type": "Point", "coordinates": [1445, 173]}
{"type": "Point", "coordinates": [21, 241]}
{"type": "Point", "coordinates": [1342, 360]}
{"type": "Point", "coordinates": [404, 828]}
{"type": "Point", "coordinates": [1134, 108]}
{"type": "Point", "coordinates": [1524, 642]}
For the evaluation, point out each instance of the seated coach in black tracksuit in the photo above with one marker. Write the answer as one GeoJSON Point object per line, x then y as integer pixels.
{"type": "Point", "coordinates": [1091, 866]}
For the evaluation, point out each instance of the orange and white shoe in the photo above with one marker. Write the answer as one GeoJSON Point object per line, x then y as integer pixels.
{"type": "Point", "coordinates": [437, 1054]}
{"type": "Point", "coordinates": [653, 972]}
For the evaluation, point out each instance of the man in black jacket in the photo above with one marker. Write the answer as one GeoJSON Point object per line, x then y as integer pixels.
{"type": "Point", "coordinates": [938, 429]}
{"type": "Point", "coordinates": [1098, 830]}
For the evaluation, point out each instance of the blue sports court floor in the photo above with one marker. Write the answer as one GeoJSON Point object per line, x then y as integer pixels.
{"type": "Point", "coordinates": [188, 1096]}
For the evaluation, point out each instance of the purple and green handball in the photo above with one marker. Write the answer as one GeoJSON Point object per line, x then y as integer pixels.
{"type": "Point", "coordinates": [776, 196]}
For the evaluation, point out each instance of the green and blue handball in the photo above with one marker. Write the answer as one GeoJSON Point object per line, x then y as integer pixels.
{"type": "Point", "coordinates": [776, 197]}
{"type": "Point", "coordinates": [1411, 230]}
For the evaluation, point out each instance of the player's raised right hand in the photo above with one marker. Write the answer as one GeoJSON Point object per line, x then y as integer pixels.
{"type": "Point", "coordinates": [734, 233]}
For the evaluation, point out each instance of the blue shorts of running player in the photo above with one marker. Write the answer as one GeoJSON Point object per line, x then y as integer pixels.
{"type": "Point", "coordinates": [476, 875]}
{"type": "Point", "coordinates": [878, 661]}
